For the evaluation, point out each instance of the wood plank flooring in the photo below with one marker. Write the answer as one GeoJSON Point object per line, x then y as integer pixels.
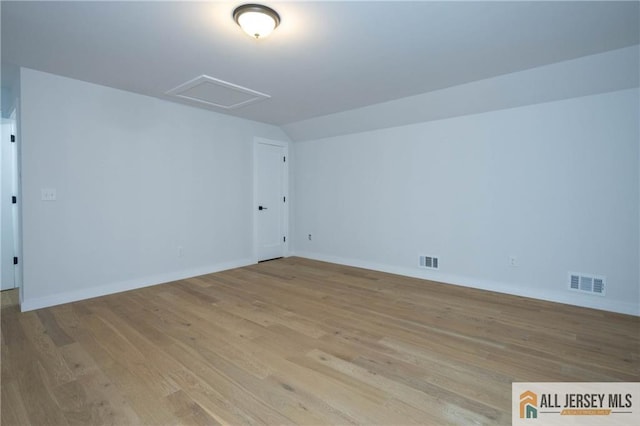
{"type": "Point", "coordinates": [296, 341]}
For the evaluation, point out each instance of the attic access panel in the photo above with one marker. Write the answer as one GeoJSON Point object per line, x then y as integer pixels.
{"type": "Point", "coordinates": [218, 93]}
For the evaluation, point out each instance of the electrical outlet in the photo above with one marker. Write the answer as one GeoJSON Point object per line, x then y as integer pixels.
{"type": "Point", "coordinates": [48, 194]}
{"type": "Point", "coordinates": [513, 261]}
{"type": "Point", "coordinates": [180, 251]}
{"type": "Point", "coordinates": [309, 237]}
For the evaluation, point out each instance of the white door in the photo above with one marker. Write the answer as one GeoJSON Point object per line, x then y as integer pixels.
{"type": "Point", "coordinates": [270, 192]}
{"type": "Point", "coordinates": [7, 213]}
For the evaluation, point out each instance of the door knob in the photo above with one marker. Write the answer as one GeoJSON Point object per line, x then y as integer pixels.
{"type": "Point", "coordinates": [261, 208]}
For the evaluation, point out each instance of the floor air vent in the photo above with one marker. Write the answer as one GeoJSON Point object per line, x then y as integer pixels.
{"type": "Point", "coordinates": [587, 283]}
{"type": "Point", "coordinates": [429, 262]}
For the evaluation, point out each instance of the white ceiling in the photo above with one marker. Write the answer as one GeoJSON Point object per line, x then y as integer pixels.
{"type": "Point", "coordinates": [325, 57]}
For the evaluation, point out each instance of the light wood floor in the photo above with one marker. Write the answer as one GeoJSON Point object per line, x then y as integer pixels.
{"type": "Point", "coordinates": [299, 341]}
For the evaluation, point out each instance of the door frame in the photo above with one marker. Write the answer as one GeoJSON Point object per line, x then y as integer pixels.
{"type": "Point", "coordinates": [11, 213]}
{"type": "Point", "coordinates": [285, 191]}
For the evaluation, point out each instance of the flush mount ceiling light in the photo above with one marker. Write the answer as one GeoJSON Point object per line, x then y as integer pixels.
{"type": "Point", "coordinates": [256, 20]}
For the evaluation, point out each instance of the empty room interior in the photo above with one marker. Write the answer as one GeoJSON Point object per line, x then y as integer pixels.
{"type": "Point", "coordinates": [317, 212]}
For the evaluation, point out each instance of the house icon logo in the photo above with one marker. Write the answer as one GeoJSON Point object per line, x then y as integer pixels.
{"type": "Point", "coordinates": [528, 405]}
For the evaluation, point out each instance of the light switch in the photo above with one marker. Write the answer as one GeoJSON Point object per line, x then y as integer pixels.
{"type": "Point", "coordinates": [48, 194]}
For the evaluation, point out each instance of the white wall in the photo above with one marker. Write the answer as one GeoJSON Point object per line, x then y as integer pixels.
{"type": "Point", "coordinates": [6, 102]}
{"type": "Point", "coordinates": [555, 184]}
{"type": "Point", "coordinates": [136, 178]}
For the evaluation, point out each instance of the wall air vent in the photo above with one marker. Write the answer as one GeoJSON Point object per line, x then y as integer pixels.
{"type": "Point", "coordinates": [429, 262]}
{"type": "Point", "coordinates": [218, 93]}
{"type": "Point", "coordinates": [585, 283]}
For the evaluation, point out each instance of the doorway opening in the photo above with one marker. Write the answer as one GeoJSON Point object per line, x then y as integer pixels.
{"type": "Point", "coordinates": [9, 214]}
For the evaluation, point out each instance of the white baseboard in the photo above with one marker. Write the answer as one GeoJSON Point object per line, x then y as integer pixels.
{"type": "Point", "coordinates": [569, 298]}
{"type": "Point", "coordinates": [88, 293]}
{"type": "Point", "coordinates": [500, 287]}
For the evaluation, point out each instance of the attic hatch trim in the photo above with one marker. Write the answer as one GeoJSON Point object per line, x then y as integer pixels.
{"type": "Point", "coordinates": [250, 96]}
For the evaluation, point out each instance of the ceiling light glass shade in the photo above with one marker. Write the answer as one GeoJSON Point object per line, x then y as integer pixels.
{"type": "Point", "coordinates": [256, 20]}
